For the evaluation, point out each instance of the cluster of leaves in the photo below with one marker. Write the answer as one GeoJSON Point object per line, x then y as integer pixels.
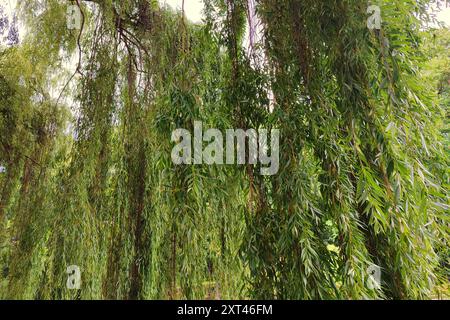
{"type": "Point", "coordinates": [11, 29]}
{"type": "Point", "coordinates": [436, 73]}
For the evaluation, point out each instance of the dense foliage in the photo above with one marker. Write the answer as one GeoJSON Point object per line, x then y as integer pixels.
{"type": "Point", "coordinates": [87, 177]}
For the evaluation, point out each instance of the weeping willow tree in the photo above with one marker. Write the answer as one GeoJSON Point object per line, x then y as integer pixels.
{"type": "Point", "coordinates": [88, 178]}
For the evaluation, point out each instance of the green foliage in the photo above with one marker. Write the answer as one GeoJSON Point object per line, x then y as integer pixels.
{"type": "Point", "coordinates": [363, 173]}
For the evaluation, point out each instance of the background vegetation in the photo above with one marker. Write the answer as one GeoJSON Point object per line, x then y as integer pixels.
{"type": "Point", "coordinates": [86, 176]}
